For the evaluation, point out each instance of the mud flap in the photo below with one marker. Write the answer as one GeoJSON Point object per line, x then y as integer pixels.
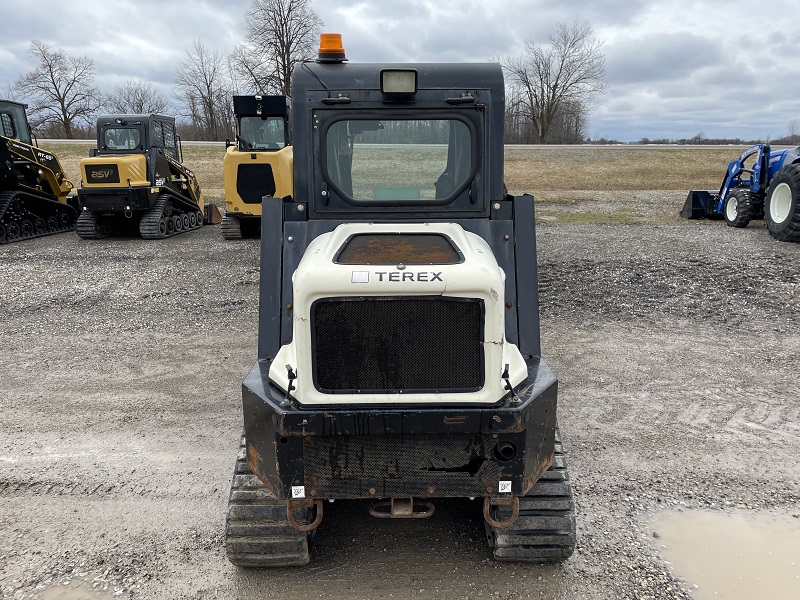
{"type": "Point", "coordinates": [700, 204]}
{"type": "Point", "coordinates": [211, 215]}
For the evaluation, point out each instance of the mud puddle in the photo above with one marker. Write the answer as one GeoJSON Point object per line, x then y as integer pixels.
{"type": "Point", "coordinates": [75, 590]}
{"type": "Point", "coordinates": [731, 556]}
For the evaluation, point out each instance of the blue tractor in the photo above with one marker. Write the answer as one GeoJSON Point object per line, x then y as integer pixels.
{"type": "Point", "coordinates": [769, 190]}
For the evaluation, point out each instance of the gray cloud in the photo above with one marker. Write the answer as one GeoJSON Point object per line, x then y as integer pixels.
{"type": "Point", "coordinates": [674, 68]}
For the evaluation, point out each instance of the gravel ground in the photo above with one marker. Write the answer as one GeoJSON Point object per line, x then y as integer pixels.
{"type": "Point", "coordinates": [677, 346]}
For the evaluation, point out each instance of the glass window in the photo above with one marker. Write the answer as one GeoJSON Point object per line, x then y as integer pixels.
{"type": "Point", "coordinates": [256, 133]}
{"type": "Point", "coordinates": [398, 160]}
{"type": "Point", "coordinates": [7, 128]}
{"type": "Point", "coordinates": [158, 134]}
{"type": "Point", "coordinates": [170, 142]}
{"type": "Point", "coordinates": [12, 123]}
{"type": "Point", "coordinates": [120, 138]}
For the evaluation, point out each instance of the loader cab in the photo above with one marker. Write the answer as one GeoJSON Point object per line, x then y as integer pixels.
{"type": "Point", "coordinates": [135, 134]}
{"type": "Point", "coordinates": [14, 122]}
{"type": "Point", "coordinates": [393, 141]}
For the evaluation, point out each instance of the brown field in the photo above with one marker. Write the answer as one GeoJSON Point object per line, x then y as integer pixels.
{"type": "Point", "coordinates": [553, 174]}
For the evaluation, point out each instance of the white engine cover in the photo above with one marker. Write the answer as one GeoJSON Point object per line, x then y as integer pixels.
{"type": "Point", "coordinates": [478, 276]}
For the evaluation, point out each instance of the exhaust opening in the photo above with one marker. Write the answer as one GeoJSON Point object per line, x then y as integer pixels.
{"type": "Point", "coordinates": [505, 451]}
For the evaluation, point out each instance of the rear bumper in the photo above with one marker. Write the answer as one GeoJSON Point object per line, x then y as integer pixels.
{"type": "Point", "coordinates": [116, 200]}
{"type": "Point", "coordinates": [408, 451]}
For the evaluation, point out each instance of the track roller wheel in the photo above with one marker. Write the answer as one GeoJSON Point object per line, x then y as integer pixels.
{"type": "Point", "coordinates": [39, 226]}
{"type": "Point", "coordinates": [12, 231]}
{"type": "Point", "coordinates": [2, 234]}
{"type": "Point", "coordinates": [26, 228]}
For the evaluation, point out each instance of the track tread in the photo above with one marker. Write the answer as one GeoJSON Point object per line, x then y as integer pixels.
{"type": "Point", "coordinates": [88, 226]}
{"type": "Point", "coordinates": [545, 528]}
{"type": "Point", "coordinates": [150, 226]}
{"type": "Point", "coordinates": [39, 208]}
{"type": "Point", "coordinates": [257, 533]}
{"type": "Point", "coordinates": [231, 228]}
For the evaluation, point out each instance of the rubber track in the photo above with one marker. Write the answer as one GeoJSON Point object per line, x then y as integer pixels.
{"type": "Point", "coordinates": [149, 226]}
{"type": "Point", "coordinates": [257, 533]}
{"type": "Point", "coordinates": [88, 226]}
{"type": "Point", "coordinates": [231, 228]}
{"type": "Point", "coordinates": [52, 208]}
{"type": "Point", "coordinates": [545, 528]}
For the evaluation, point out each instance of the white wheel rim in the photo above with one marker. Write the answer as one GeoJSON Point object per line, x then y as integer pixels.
{"type": "Point", "coordinates": [780, 203]}
{"type": "Point", "coordinates": [732, 208]}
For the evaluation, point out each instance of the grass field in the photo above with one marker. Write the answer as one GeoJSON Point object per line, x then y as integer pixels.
{"type": "Point", "coordinates": [551, 173]}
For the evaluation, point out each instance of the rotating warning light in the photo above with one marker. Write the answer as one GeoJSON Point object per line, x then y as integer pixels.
{"type": "Point", "coordinates": [330, 48]}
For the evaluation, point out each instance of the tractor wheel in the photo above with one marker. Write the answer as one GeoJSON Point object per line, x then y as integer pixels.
{"type": "Point", "coordinates": [782, 205]}
{"type": "Point", "coordinates": [739, 208]}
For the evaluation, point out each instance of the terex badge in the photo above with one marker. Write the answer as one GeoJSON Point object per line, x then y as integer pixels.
{"type": "Point", "coordinates": [360, 277]}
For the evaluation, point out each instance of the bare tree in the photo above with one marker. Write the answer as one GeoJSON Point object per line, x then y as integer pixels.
{"type": "Point", "coordinates": [569, 71]}
{"type": "Point", "coordinates": [136, 98]}
{"type": "Point", "coordinates": [280, 33]}
{"type": "Point", "coordinates": [251, 72]}
{"type": "Point", "coordinates": [59, 91]}
{"type": "Point", "coordinates": [794, 130]}
{"type": "Point", "coordinates": [204, 91]}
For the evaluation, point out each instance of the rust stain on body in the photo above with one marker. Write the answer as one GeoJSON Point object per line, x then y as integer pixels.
{"type": "Point", "coordinates": [537, 473]}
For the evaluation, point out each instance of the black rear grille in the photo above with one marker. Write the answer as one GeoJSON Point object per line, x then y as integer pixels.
{"type": "Point", "coordinates": [254, 181]}
{"type": "Point", "coordinates": [400, 465]}
{"type": "Point", "coordinates": [388, 344]}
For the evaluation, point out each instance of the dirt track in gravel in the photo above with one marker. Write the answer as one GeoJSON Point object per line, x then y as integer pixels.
{"type": "Point", "coordinates": [677, 347]}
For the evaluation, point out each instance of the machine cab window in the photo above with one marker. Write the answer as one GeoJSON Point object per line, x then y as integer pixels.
{"type": "Point", "coordinates": [427, 161]}
{"type": "Point", "coordinates": [257, 133]}
{"type": "Point", "coordinates": [122, 138]}
{"type": "Point", "coordinates": [12, 114]}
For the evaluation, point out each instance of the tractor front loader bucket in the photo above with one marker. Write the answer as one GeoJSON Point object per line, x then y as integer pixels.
{"type": "Point", "coordinates": [700, 204]}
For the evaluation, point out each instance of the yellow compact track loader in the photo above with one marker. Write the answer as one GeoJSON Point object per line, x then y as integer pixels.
{"type": "Point", "coordinates": [33, 189]}
{"type": "Point", "coordinates": [259, 164]}
{"type": "Point", "coordinates": [135, 180]}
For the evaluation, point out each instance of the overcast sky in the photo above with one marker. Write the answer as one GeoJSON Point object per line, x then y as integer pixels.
{"type": "Point", "coordinates": [674, 68]}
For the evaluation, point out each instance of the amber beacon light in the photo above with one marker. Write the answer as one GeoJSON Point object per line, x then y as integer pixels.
{"type": "Point", "coordinates": [330, 48]}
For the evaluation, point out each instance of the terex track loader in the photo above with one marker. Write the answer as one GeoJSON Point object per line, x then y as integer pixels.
{"type": "Point", "coordinates": [134, 181]}
{"type": "Point", "coordinates": [33, 189]}
{"type": "Point", "coordinates": [398, 354]}
{"type": "Point", "coordinates": [259, 163]}
{"type": "Point", "coordinates": [769, 190]}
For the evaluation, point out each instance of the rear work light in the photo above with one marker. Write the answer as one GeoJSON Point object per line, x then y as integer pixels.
{"type": "Point", "coordinates": [399, 81]}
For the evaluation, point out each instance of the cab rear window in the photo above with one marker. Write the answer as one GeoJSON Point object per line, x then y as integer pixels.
{"type": "Point", "coordinates": [399, 160]}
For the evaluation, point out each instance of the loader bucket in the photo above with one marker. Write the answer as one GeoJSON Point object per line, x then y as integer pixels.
{"type": "Point", "coordinates": [211, 214]}
{"type": "Point", "coordinates": [700, 204]}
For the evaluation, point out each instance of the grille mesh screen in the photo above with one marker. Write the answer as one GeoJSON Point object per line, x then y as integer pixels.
{"type": "Point", "coordinates": [254, 181]}
{"type": "Point", "coordinates": [387, 344]}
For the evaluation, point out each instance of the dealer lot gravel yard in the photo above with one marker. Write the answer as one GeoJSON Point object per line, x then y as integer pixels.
{"type": "Point", "coordinates": [676, 344]}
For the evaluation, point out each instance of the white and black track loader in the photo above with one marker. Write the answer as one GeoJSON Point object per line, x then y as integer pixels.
{"type": "Point", "coordinates": [399, 356]}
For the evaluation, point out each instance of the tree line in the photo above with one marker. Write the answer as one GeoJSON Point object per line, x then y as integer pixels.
{"type": "Point", "coordinates": [551, 88]}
